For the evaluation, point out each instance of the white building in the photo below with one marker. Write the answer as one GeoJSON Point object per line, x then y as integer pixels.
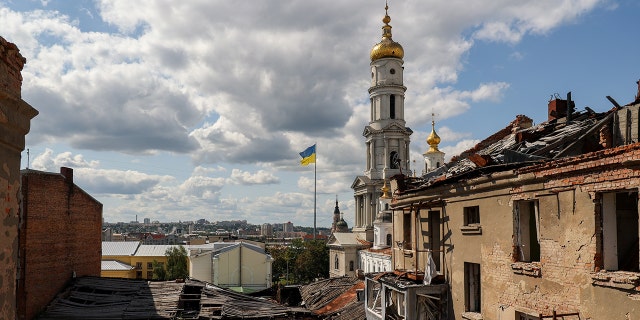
{"type": "Point", "coordinates": [387, 137]}
{"type": "Point", "coordinates": [240, 266]}
{"type": "Point", "coordinates": [343, 253]}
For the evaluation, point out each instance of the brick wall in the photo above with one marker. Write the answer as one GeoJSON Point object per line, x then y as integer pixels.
{"type": "Point", "coordinates": [15, 120]}
{"type": "Point", "coordinates": [60, 236]}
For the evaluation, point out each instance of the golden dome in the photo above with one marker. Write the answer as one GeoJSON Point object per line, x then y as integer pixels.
{"type": "Point", "coordinates": [386, 48]}
{"type": "Point", "coordinates": [433, 139]}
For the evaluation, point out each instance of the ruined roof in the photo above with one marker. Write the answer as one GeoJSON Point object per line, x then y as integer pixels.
{"type": "Point", "coordinates": [520, 144]}
{"type": "Point", "coordinates": [334, 298]}
{"type": "Point", "coordinates": [111, 298]}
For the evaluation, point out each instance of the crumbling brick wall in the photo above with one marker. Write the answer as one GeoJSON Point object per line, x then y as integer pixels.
{"type": "Point", "coordinates": [60, 237]}
{"type": "Point", "coordinates": [15, 118]}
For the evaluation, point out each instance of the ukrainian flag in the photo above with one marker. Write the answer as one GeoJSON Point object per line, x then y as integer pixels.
{"type": "Point", "coordinates": [308, 155]}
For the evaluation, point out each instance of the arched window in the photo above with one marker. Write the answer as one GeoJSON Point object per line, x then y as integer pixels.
{"type": "Point", "coordinates": [350, 265]}
{"type": "Point", "coordinates": [392, 106]}
{"type": "Point", "coordinates": [336, 262]}
{"type": "Point", "coordinates": [394, 160]}
{"type": "Point", "coordinates": [388, 239]}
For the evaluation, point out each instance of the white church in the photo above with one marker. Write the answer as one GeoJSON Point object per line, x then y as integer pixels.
{"type": "Point", "coordinates": [387, 140]}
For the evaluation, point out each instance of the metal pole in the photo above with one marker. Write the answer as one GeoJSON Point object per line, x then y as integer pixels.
{"type": "Point", "coordinates": [315, 165]}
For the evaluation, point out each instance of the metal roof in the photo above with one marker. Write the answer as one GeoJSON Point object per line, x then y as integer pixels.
{"type": "Point", "coordinates": [114, 265]}
{"type": "Point", "coordinates": [151, 250]}
{"type": "Point", "coordinates": [119, 248]}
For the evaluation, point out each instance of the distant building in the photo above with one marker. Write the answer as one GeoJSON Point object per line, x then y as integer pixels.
{"type": "Point", "coordinates": [343, 253]}
{"type": "Point", "coordinates": [147, 220]}
{"type": "Point", "coordinates": [266, 229]}
{"type": "Point", "coordinates": [60, 237]}
{"type": "Point", "coordinates": [287, 227]}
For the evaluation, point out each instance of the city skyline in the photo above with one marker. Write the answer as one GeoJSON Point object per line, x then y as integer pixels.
{"type": "Point", "coordinates": [182, 111]}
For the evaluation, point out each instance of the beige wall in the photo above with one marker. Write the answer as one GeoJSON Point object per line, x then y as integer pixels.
{"type": "Point", "coordinates": [568, 197]}
{"type": "Point", "coordinates": [241, 267]}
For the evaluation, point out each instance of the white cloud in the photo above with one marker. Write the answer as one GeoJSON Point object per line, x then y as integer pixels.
{"type": "Point", "coordinates": [247, 178]}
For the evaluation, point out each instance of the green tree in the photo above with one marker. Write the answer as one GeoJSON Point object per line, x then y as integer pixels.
{"type": "Point", "coordinates": [176, 263]}
{"type": "Point", "coordinates": [159, 273]}
{"type": "Point", "coordinates": [312, 261]}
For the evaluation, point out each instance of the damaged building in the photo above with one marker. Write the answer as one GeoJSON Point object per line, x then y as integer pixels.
{"type": "Point", "coordinates": [534, 222]}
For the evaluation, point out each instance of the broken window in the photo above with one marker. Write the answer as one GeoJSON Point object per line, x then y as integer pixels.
{"type": "Point", "coordinates": [472, 287]}
{"type": "Point", "coordinates": [471, 215]}
{"type": "Point", "coordinates": [527, 231]}
{"type": "Point", "coordinates": [620, 231]}
{"type": "Point", "coordinates": [373, 296]}
{"type": "Point", "coordinates": [406, 231]}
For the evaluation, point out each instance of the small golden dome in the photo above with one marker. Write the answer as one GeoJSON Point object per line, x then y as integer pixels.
{"type": "Point", "coordinates": [433, 139]}
{"type": "Point", "coordinates": [386, 48]}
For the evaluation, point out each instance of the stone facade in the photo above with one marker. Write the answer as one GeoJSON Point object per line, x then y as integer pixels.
{"type": "Point", "coordinates": [15, 119]}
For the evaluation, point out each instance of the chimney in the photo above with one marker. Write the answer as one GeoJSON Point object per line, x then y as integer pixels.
{"type": "Point", "coordinates": [67, 173]}
{"type": "Point", "coordinates": [638, 94]}
{"type": "Point", "coordinates": [557, 109]}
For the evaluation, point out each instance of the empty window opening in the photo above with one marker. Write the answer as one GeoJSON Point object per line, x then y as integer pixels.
{"type": "Point", "coordinates": [527, 225]}
{"type": "Point", "coordinates": [471, 215]}
{"type": "Point", "coordinates": [392, 106]}
{"type": "Point", "coordinates": [472, 287]}
{"type": "Point", "coordinates": [388, 239]}
{"type": "Point", "coordinates": [434, 237]}
{"type": "Point", "coordinates": [406, 231]}
{"type": "Point", "coordinates": [620, 231]}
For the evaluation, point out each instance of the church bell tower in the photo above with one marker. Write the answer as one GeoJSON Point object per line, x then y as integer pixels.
{"type": "Point", "coordinates": [386, 136]}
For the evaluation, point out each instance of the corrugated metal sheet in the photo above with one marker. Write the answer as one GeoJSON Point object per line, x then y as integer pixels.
{"type": "Point", "coordinates": [119, 248]}
{"type": "Point", "coordinates": [114, 265]}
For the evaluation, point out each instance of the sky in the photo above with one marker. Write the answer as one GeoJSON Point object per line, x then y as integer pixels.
{"type": "Point", "coordinates": [197, 109]}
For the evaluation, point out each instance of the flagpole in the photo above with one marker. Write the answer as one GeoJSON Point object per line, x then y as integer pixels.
{"type": "Point", "coordinates": [315, 165]}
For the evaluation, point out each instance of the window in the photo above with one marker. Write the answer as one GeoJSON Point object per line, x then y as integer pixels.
{"type": "Point", "coordinates": [373, 296]}
{"type": "Point", "coordinates": [527, 231]}
{"type": "Point", "coordinates": [138, 274]}
{"type": "Point", "coordinates": [524, 316]}
{"type": "Point", "coordinates": [350, 265]}
{"type": "Point", "coordinates": [472, 287]}
{"type": "Point", "coordinates": [406, 231]}
{"type": "Point", "coordinates": [389, 239]}
{"type": "Point", "coordinates": [394, 160]}
{"type": "Point", "coordinates": [336, 263]}
{"type": "Point", "coordinates": [149, 275]}
{"type": "Point", "coordinates": [471, 215]}
{"type": "Point", "coordinates": [620, 231]}
{"type": "Point", "coordinates": [392, 106]}
{"type": "Point", "coordinates": [138, 265]}
{"type": "Point", "coordinates": [150, 265]}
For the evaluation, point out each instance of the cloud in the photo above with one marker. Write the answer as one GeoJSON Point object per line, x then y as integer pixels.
{"type": "Point", "coordinates": [246, 178]}
{"type": "Point", "coordinates": [245, 82]}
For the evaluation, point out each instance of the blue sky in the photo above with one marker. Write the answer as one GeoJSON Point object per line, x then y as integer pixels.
{"type": "Point", "coordinates": [197, 109]}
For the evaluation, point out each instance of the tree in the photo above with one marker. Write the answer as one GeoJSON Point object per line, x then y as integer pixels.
{"type": "Point", "coordinates": [159, 273]}
{"type": "Point", "coordinates": [176, 263]}
{"type": "Point", "coordinates": [312, 261]}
